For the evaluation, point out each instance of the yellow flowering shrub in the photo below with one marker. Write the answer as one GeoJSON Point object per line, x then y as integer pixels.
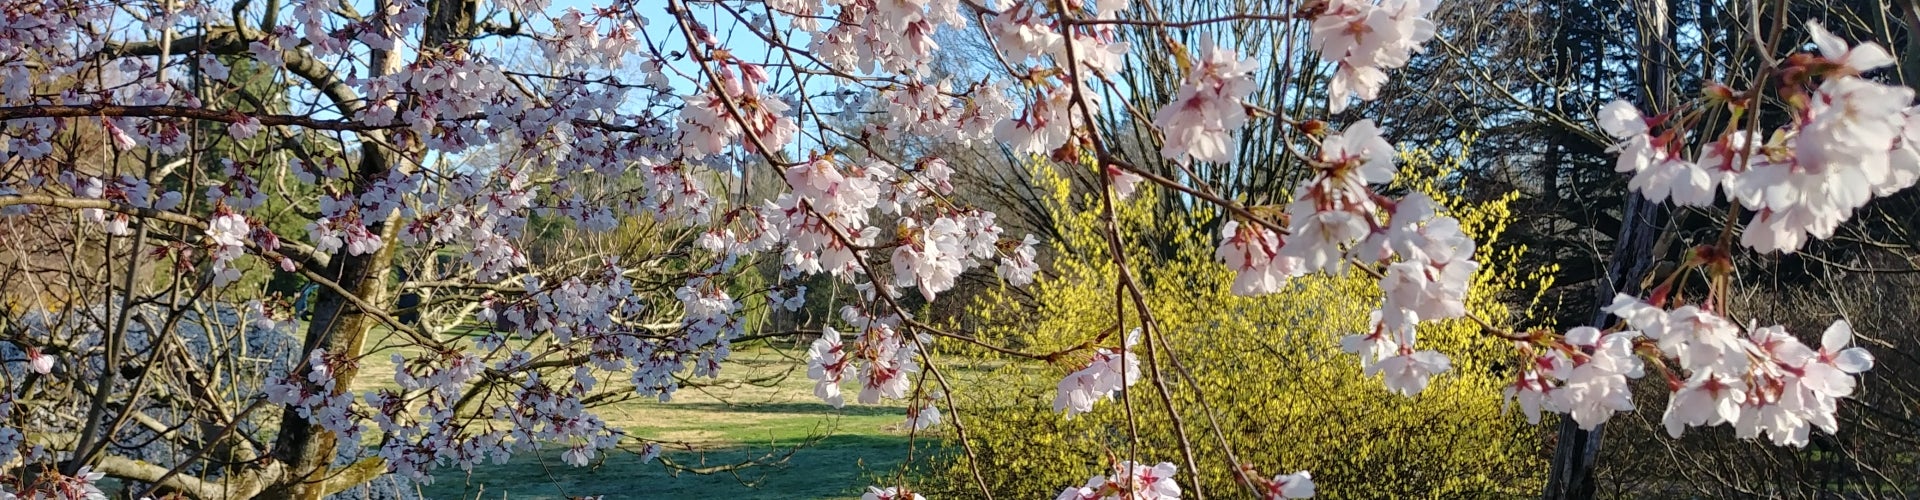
{"type": "Point", "coordinates": [1268, 370]}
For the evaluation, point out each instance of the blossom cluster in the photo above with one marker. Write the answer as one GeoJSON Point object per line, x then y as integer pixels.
{"type": "Point", "coordinates": [1200, 121]}
{"type": "Point", "coordinates": [1762, 380]}
{"type": "Point", "coordinates": [1850, 140]}
{"type": "Point", "coordinates": [739, 113]}
{"type": "Point", "coordinates": [1128, 481]}
{"type": "Point", "coordinates": [84, 484]}
{"type": "Point", "coordinates": [319, 397]}
{"type": "Point", "coordinates": [1029, 33]}
{"type": "Point", "coordinates": [1757, 379]}
{"type": "Point", "coordinates": [1425, 260]}
{"type": "Point", "coordinates": [1364, 38]}
{"type": "Point", "coordinates": [1109, 372]}
{"type": "Point", "coordinates": [1847, 141]}
{"type": "Point", "coordinates": [881, 357]}
{"type": "Point", "coordinates": [890, 493]}
{"type": "Point", "coordinates": [124, 189]}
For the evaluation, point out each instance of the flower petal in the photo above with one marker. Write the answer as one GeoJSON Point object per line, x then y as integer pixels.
{"type": "Point", "coordinates": [1830, 46]}
{"type": "Point", "coordinates": [1621, 120]}
{"type": "Point", "coordinates": [1838, 335]}
{"type": "Point", "coordinates": [1868, 57]}
{"type": "Point", "coordinates": [1855, 360]}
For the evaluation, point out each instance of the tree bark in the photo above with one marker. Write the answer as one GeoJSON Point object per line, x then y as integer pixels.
{"type": "Point", "coordinates": [339, 325]}
{"type": "Point", "coordinates": [243, 486]}
{"type": "Point", "coordinates": [1910, 57]}
{"type": "Point", "coordinates": [341, 328]}
{"type": "Point", "coordinates": [1576, 452]}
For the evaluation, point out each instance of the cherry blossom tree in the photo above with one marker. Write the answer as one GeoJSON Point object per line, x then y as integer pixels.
{"type": "Point", "coordinates": [718, 127]}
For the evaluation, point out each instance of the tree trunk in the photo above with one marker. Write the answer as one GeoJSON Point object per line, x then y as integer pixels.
{"type": "Point", "coordinates": [339, 326]}
{"type": "Point", "coordinates": [1909, 58]}
{"type": "Point", "coordinates": [1576, 452]}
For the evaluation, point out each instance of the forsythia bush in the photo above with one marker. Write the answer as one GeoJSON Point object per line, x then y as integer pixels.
{"type": "Point", "coordinates": [1270, 369]}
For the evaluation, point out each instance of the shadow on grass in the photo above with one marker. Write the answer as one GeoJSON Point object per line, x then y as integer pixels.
{"type": "Point", "coordinates": [834, 467]}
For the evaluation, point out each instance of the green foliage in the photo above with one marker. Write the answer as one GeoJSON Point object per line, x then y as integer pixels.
{"type": "Point", "coordinates": [1268, 370]}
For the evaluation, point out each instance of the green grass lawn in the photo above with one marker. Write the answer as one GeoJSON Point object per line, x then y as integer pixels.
{"type": "Point", "coordinates": [761, 411]}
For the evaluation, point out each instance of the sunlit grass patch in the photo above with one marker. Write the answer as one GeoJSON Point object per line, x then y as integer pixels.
{"type": "Point", "coordinates": [756, 431]}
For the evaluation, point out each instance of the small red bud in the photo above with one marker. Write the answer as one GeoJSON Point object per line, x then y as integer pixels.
{"type": "Point", "coordinates": [1719, 93]}
{"type": "Point", "coordinates": [1314, 128]}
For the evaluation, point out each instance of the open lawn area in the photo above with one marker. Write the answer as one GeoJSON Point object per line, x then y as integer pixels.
{"type": "Point", "coordinates": [761, 411]}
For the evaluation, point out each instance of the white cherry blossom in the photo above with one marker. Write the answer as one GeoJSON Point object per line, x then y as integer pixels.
{"type": "Point", "coordinates": [1106, 374]}
{"type": "Point", "coordinates": [1201, 120]}
{"type": "Point", "coordinates": [1290, 486]}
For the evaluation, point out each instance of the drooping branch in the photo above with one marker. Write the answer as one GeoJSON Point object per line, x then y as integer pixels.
{"type": "Point", "coordinates": [203, 114]}
{"type": "Point", "coordinates": [354, 475]}
{"type": "Point", "coordinates": [306, 258]}
{"type": "Point", "coordinates": [224, 40]}
{"type": "Point", "coordinates": [231, 116]}
{"type": "Point", "coordinates": [301, 253]}
{"type": "Point", "coordinates": [244, 485]}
